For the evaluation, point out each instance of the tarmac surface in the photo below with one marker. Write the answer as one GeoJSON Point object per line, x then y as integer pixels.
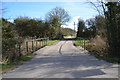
{"type": "Point", "coordinates": [64, 60]}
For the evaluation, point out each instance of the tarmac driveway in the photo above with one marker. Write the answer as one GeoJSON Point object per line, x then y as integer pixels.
{"type": "Point", "coordinates": [64, 60]}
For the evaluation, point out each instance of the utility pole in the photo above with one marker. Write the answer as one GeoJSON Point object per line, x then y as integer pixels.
{"type": "Point", "coordinates": [74, 29]}
{"type": "Point", "coordinates": [74, 26]}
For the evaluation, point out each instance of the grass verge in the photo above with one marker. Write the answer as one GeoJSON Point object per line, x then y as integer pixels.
{"type": "Point", "coordinates": [109, 59]}
{"type": "Point", "coordinates": [12, 65]}
{"type": "Point", "coordinates": [51, 42]}
{"type": "Point", "coordinates": [94, 52]}
{"type": "Point", "coordinates": [80, 42]}
{"type": "Point", "coordinates": [9, 66]}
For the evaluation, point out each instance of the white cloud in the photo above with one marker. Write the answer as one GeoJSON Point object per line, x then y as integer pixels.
{"type": "Point", "coordinates": [71, 23]}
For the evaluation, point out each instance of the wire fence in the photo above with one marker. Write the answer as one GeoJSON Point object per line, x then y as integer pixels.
{"type": "Point", "coordinates": [83, 41]}
{"type": "Point", "coordinates": [33, 45]}
{"type": "Point", "coordinates": [22, 48]}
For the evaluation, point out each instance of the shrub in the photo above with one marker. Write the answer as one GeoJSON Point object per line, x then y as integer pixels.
{"type": "Point", "coordinates": [98, 46]}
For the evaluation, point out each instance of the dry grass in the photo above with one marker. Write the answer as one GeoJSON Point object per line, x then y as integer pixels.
{"type": "Point", "coordinates": [98, 46]}
{"type": "Point", "coordinates": [99, 42]}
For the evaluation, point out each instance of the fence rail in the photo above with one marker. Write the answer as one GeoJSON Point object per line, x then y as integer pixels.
{"type": "Point", "coordinates": [83, 41]}
{"type": "Point", "coordinates": [23, 48]}
{"type": "Point", "coordinates": [32, 45]}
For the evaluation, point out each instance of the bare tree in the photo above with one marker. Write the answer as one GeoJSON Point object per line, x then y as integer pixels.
{"type": "Point", "coordinates": [59, 13]}
{"type": "Point", "coordinates": [99, 6]}
{"type": "Point", "coordinates": [57, 17]}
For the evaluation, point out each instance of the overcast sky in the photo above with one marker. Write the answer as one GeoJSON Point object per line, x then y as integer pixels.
{"type": "Point", "coordinates": [39, 9]}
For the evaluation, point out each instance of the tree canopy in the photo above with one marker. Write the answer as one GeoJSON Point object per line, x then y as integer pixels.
{"type": "Point", "coordinates": [58, 13]}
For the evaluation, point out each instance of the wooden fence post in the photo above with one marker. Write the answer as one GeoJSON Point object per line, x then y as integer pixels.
{"type": "Point", "coordinates": [19, 48]}
{"type": "Point", "coordinates": [84, 44]}
{"type": "Point", "coordinates": [32, 45]}
{"type": "Point", "coordinates": [46, 41]}
{"type": "Point", "coordinates": [36, 45]}
{"type": "Point", "coordinates": [41, 42]}
{"type": "Point", "coordinates": [27, 45]}
{"type": "Point", "coordinates": [80, 41]}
